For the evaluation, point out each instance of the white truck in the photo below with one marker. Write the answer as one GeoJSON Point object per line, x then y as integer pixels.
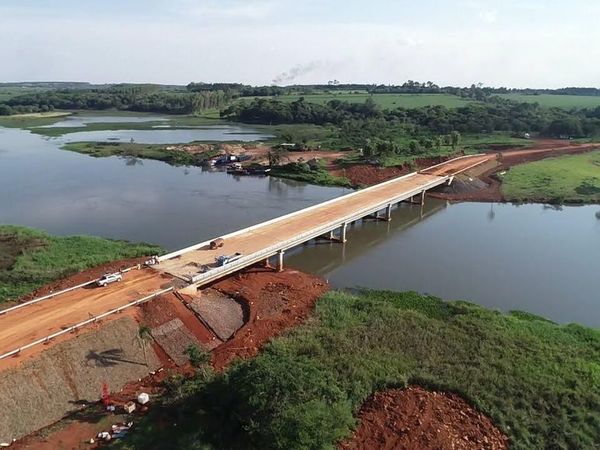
{"type": "Point", "coordinates": [109, 278]}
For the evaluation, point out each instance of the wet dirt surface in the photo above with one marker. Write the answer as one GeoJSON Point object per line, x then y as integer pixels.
{"type": "Point", "coordinates": [417, 419]}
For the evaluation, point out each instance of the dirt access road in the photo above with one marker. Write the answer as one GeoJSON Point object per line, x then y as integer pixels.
{"type": "Point", "coordinates": [481, 183]}
{"type": "Point", "coordinates": [33, 322]}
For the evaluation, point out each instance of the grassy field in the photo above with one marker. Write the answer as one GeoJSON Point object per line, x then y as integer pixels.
{"type": "Point", "coordinates": [386, 101]}
{"type": "Point", "coordinates": [31, 258]}
{"type": "Point", "coordinates": [574, 178]}
{"type": "Point", "coordinates": [8, 92]}
{"type": "Point", "coordinates": [303, 172]}
{"type": "Point", "coordinates": [536, 380]}
{"type": "Point", "coordinates": [560, 101]}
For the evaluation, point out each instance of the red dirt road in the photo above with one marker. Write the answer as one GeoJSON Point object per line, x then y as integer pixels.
{"type": "Point", "coordinates": [33, 322]}
{"type": "Point", "coordinates": [462, 189]}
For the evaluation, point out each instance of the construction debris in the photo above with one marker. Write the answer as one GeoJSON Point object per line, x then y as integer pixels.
{"type": "Point", "coordinates": [129, 407]}
{"type": "Point", "coordinates": [143, 398]}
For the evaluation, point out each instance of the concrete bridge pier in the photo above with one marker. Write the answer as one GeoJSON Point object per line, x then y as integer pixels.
{"type": "Point", "coordinates": [412, 200]}
{"type": "Point", "coordinates": [280, 254]}
{"type": "Point", "coordinates": [342, 236]}
{"type": "Point", "coordinates": [343, 233]}
{"type": "Point", "coordinates": [388, 212]}
{"type": "Point", "coordinates": [387, 215]}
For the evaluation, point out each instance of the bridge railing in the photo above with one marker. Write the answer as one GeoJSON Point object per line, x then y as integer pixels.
{"type": "Point", "coordinates": [57, 293]}
{"type": "Point", "coordinates": [73, 328]}
{"type": "Point", "coordinates": [301, 211]}
{"type": "Point", "coordinates": [248, 260]}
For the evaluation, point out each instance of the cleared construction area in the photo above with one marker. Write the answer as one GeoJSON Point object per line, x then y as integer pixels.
{"type": "Point", "coordinates": [197, 265]}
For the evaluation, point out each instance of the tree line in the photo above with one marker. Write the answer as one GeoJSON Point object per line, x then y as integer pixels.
{"type": "Point", "coordinates": [142, 98]}
{"type": "Point", "coordinates": [494, 115]}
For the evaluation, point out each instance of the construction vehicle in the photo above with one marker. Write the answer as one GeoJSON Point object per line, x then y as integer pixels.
{"type": "Point", "coordinates": [227, 259]}
{"type": "Point", "coordinates": [219, 242]}
{"type": "Point", "coordinates": [108, 278]}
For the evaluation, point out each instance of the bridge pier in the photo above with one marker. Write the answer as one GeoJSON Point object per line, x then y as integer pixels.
{"type": "Point", "coordinates": [412, 200]}
{"type": "Point", "coordinates": [332, 237]}
{"type": "Point", "coordinates": [386, 217]}
{"type": "Point", "coordinates": [280, 254]}
{"type": "Point", "coordinates": [343, 233]}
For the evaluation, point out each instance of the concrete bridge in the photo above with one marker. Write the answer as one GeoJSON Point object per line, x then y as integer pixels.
{"type": "Point", "coordinates": [42, 320]}
{"type": "Point", "coordinates": [329, 220]}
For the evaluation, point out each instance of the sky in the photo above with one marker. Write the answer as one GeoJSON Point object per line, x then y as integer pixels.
{"type": "Point", "coordinates": [526, 43]}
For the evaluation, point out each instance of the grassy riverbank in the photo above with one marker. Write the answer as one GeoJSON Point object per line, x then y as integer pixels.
{"type": "Point", "coordinates": [30, 258]}
{"type": "Point", "coordinates": [32, 119]}
{"type": "Point", "coordinates": [147, 151]}
{"type": "Point", "coordinates": [573, 178]}
{"type": "Point", "coordinates": [318, 174]}
{"type": "Point", "coordinates": [535, 379]}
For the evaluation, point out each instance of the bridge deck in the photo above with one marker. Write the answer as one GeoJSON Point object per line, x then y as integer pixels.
{"type": "Point", "coordinates": [279, 232]}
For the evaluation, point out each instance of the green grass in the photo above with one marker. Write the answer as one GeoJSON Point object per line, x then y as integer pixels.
{"type": "Point", "coordinates": [32, 119]}
{"type": "Point", "coordinates": [31, 258]}
{"type": "Point", "coordinates": [303, 172]}
{"type": "Point", "coordinates": [489, 141]}
{"type": "Point", "coordinates": [8, 92]}
{"type": "Point", "coordinates": [386, 101]}
{"type": "Point", "coordinates": [146, 151]}
{"type": "Point", "coordinates": [535, 379]}
{"type": "Point", "coordinates": [560, 101]}
{"type": "Point", "coordinates": [573, 178]}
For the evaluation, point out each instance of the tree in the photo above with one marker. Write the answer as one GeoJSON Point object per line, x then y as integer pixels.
{"type": "Point", "coordinates": [455, 138]}
{"type": "Point", "coordinates": [197, 357]}
{"type": "Point", "coordinates": [275, 156]}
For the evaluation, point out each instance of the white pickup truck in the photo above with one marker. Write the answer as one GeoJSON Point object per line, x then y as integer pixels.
{"type": "Point", "coordinates": [109, 278]}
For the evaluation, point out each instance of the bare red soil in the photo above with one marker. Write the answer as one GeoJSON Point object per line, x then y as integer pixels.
{"type": "Point", "coordinates": [366, 175]}
{"type": "Point", "coordinates": [275, 302]}
{"type": "Point", "coordinates": [417, 419]}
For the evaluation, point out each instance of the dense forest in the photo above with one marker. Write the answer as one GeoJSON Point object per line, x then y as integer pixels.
{"type": "Point", "coordinates": [494, 115]}
{"type": "Point", "coordinates": [142, 98]}
{"type": "Point", "coordinates": [196, 97]}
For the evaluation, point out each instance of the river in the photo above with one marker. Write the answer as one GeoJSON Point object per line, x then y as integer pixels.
{"type": "Point", "coordinates": [528, 257]}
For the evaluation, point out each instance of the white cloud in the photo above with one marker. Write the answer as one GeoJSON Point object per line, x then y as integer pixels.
{"type": "Point", "coordinates": [488, 16]}
{"type": "Point", "coordinates": [233, 10]}
{"type": "Point", "coordinates": [255, 45]}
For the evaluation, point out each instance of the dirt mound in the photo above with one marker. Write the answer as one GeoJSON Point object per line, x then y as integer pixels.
{"type": "Point", "coordinates": [275, 302]}
{"type": "Point", "coordinates": [414, 418]}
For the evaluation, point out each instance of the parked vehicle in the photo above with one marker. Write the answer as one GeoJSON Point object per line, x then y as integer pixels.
{"type": "Point", "coordinates": [226, 259]}
{"type": "Point", "coordinates": [109, 278]}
